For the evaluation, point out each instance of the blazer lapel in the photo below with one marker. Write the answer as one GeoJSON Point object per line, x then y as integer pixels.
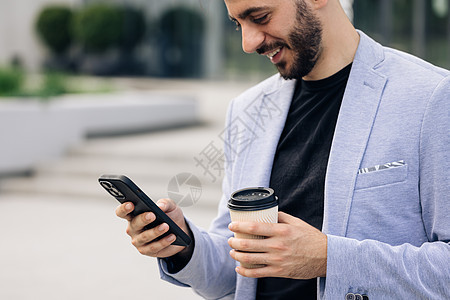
{"type": "Point", "coordinates": [356, 117]}
{"type": "Point", "coordinates": [268, 115]}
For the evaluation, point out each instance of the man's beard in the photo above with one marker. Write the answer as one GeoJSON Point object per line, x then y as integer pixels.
{"type": "Point", "coordinates": [305, 41]}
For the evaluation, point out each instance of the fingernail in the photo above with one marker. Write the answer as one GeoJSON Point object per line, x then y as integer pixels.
{"type": "Point", "coordinates": [161, 205]}
{"type": "Point", "coordinates": [148, 216]}
{"type": "Point", "coordinates": [162, 227]}
{"type": "Point", "coordinates": [230, 226]}
{"type": "Point", "coordinates": [128, 206]}
{"type": "Point", "coordinates": [170, 238]}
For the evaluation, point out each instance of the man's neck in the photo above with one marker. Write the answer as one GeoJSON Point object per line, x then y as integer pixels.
{"type": "Point", "coordinates": [340, 41]}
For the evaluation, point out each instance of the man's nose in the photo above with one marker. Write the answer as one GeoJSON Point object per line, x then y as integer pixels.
{"type": "Point", "coordinates": [252, 38]}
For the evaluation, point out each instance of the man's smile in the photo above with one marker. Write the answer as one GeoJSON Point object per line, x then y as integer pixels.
{"type": "Point", "coordinates": [275, 55]}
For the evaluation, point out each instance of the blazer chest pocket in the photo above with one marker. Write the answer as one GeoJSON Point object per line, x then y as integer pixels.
{"type": "Point", "coordinates": [381, 177]}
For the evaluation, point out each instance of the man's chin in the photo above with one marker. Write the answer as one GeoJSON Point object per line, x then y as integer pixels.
{"type": "Point", "coordinates": [284, 72]}
{"type": "Point", "coordinates": [293, 73]}
{"type": "Point", "coordinates": [288, 75]}
{"type": "Point", "coordinates": [287, 72]}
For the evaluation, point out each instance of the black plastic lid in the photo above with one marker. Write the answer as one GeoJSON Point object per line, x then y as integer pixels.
{"type": "Point", "coordinates": [254, 198]}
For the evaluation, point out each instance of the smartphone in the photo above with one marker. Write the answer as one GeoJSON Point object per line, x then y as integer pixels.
{"type": "Point", "coordinates": [125, 190]}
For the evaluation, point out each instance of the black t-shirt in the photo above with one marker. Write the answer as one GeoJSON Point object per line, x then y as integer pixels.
{"type": "Point", "coordinates": [300, 163]}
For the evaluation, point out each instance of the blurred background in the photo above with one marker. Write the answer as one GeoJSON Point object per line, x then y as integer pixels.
{"type": "Point", "coordinates": [135, 87]}
{"type": "Point", "coordinates": [184, 39]}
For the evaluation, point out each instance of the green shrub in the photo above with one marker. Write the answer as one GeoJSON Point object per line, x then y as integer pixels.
{"type": "Point", "coordinates": [181, 30]}
{"type": "Point", "coordinates": [98, 27]}
{"type": "Point", "coordinates": [54, 27]}
{"type": "Point", "coordinates": [54, 84]}
{"type": "Point", "coordinates": [183, 25]}
{"type": "Point", "coordinates": [133, 27]}
{"type": "Point", "coordinates": [11, 80]}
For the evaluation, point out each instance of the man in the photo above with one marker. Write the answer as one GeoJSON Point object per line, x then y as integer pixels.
{"type": "Point", "coordinates": [358, 155]}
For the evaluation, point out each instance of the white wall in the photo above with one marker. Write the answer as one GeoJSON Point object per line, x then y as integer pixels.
{"type": "Point", "coordinates": [17, 35]}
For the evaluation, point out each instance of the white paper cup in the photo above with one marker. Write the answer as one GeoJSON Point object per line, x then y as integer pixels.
{"type": "Point", "coordinates": [253, 204]}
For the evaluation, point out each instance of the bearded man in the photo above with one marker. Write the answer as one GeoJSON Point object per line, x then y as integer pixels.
{"type": "Point", "coordinates": [357, 152]}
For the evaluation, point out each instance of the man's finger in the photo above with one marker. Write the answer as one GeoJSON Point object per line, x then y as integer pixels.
{"type": "Point", "coordinates": [149, 235]}
{"type": "Point", "coordinates": [254, 228]}
{"type": "Point", "coordinates": [166, 205]}
{"type": "Point", "coordinates": [123, 211]}
{"type": "Point", "coordinates": [286, 218]}
{"type": "Point", "coordinates": [250, 245]}
{"type": "Point", "coordinates": [268, 271]}
{"type": "Point", "coordinates": [161, 248]}
{"type": "Point", "coordinates": [250, 258]}
{"type": "Point", "coordinates": [139, 222]}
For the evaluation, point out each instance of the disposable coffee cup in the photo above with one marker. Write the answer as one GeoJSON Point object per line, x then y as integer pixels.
{"type": "Point", "coordinates": [256, 204]}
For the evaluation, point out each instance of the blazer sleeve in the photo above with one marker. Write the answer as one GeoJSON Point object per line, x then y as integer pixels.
{"type": "Point", "coordinates": [382, 271]}
{"type": "Point", "coordinates": [211, 270]}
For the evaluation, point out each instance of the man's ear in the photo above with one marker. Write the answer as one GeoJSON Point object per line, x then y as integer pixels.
{"type": "Point", "coordinates": [318, 4]}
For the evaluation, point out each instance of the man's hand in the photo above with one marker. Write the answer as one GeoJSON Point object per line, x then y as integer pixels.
{"type": "Point", "coordinates": [142, 240]}
{"type": "Point", "coordinates": [292, 249]}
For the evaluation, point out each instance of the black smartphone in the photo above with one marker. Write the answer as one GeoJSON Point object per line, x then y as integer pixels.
{"type": "Point", "coordinates": [125, 190]}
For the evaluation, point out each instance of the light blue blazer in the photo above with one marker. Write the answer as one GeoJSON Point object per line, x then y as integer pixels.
{"type": "Point", "coordinates": [387, 190]}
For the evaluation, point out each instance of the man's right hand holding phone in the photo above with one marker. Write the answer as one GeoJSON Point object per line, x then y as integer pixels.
{"type": "Point", "coordinates": [144, 240]}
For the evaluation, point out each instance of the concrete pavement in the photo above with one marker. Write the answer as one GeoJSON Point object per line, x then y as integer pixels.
{"type": "Point", "coordinates": [53, 249]}
{"type": "Point", "coordinates": [59, 236]}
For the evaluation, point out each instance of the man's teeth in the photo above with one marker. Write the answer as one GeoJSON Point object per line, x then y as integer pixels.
{"type": "Point", "coordinates": [272, 54]}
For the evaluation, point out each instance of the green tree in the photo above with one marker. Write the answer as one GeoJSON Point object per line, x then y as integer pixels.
{"type": "Point", "coordinates": [98, 27]}
{"type": "Point", "coordinates": [53, 26]}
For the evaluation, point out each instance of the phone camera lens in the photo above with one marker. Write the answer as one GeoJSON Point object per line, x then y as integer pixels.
{"type": "Point", "coordinates": [112, 189]}
{"type": "Point", "coordinates": [106, 185]}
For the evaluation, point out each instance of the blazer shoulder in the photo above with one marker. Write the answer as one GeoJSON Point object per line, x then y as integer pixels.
{"type": "Point", "coordinates": [424, 69]}
{"type": "Point", "coordinates": [397, 65]}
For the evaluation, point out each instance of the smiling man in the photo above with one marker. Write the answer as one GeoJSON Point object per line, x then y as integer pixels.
{"type": "Point", "coordinates": [358, 155]}
{"type": "Point", "coordinates": [292, 42]}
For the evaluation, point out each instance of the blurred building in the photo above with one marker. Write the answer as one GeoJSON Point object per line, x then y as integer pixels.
{"type": "Point", "coordinates": [18, 39]}
{"type": "Point", "coordinates": [17, 36]}
{"type": "Point", "coordinates": [421, 27]}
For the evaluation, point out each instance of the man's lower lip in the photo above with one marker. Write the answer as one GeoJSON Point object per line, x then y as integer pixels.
{"type": "Point", "coordinates": [277, 57]}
